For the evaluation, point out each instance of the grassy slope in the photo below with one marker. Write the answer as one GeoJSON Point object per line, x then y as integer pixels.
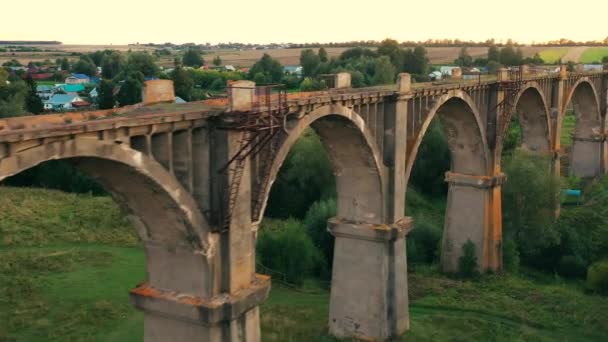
{"type": "Point", "coordinates": [552, 55]}
{"type": "Point", "coordinates": [594, 54]}
{"type": "Point", "coordinates": [55, 289]}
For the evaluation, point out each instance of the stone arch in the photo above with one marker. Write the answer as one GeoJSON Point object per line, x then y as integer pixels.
{"type": "Point", "coordinates": [586, 154]}
{"type": "Point", "coordinates": [470, 153]}
{"type": "Point", "coordinates": [356, 160]}
{"type": "Point", "coordinates": [534, 118]}
{"type": "Point", "coordinates": [469, 194]}
{"type": "Point", "coordinates": [175, 235]}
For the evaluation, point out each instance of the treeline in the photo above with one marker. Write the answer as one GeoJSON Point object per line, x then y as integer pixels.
{"type": "Point", "coordinates": [30, 42]}
{"type": "Point", "coordinates": [18, 96]}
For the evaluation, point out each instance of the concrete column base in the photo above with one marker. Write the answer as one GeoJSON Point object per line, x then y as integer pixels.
{"type": "Point", "coordinates": [586, 158]}
{"type": "Point", "coordinates": [469, 217]}
{"type": "Point", "coordinates": [170, 316]}
{"type": "Point", "coordinates": [369, 281]}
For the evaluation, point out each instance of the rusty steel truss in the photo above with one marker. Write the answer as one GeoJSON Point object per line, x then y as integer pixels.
{"type": "Point", "coordinates": [259, 126]}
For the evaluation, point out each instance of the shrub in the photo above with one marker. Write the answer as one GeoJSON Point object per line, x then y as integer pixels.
{"type": "Point", "coordinates": [597, 277]}
{"type": "Point", "coordinates": [571, 266]}
{"type": "Point", "coordinates": [510, 256]}
{"type": "Point", "coordinates": [287, 251]}
{"type": "Point", "coordinates": [423, 242]}
{"type": "Point", "coordinates": [316, 227]}
{"type": "Point", "coordinates": [467, 263]}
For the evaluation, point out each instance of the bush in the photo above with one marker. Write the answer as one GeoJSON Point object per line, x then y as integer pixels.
{"type": "Point", "coordinates": [597, 277]}
{"type": "Point", "coordinates": [423, 242]}
{"type": "Point", "coordinates": [287, 251]}
{"type": "Point", "coordinates": [316, 227]}
{"type": "Point", "coordinates": [571, 266]}
{"type": "Point", "coordinates": [510, 256]}
{"type": "Point", "coordinates": [467, 263]}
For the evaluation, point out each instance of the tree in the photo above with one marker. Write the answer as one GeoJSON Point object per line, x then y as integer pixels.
{"type": "Point", "coordinates": [105, 94]}
{"type": "Point", "coordinates": [217, 61]}
{"type": "Point", "coordinates": [142, 62]}
{"type": "Point", "coordinates": [266, 70]}
{"type": "Point", "coordinates": [65, 64]}
{"type": "Point", "coordinates": [384, 71]}
{"type": "Point", "coordinates": [464, 59]}
{"type": "Point", "coordinates": [130, 91]}
{"type": "Point", "coordinates": [309, 61]}
{"type": "Point", "coordinates": [12, 98]}
{"type": "Point", "coordinates": [85, 66]}
{"type": "Point", "coordinates": [193, 58]}
{"type": "Point", "coordinates": [323, 55]}
{"type": "Point", "coordinates": [33, 103]}
{"type": "Point", "coordinates": [493, 54]}
{"type": "Point", "coordinates": [182, 83]}
{"type": "Point", "coordinates": [530, 198]}
{"type": "Point", "coordinates": [416, 61]}
{"type": "Point", "coordinates": [112, 64]}
{"type": "Point", "coordinates": [391, 48]}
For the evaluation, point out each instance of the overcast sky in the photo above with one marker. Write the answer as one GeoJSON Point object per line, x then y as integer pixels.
{"type": "Point", "coordinates": [263, 21]}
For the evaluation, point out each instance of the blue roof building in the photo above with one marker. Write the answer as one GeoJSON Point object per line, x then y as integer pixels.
{"type": "Point", "coordinates": [61, 102]}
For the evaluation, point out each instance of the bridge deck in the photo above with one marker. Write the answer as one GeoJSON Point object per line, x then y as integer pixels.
{"type": "Point", "coordinates": [12, 129]}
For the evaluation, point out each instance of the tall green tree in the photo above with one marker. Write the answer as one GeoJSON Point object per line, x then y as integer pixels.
{"type": "Point", "coordinates": [493, 54]}
{"type": "Point", "coordinates": [464, 59]}
{"type": "Point", "coordinates": [12, 98]}
{"type": "Point", "coordinates": [182, 83]}
{"type": "Point", "coordinates": [192, 57]}
{"type": "Point", "coordinates": [112, 64]}
{"type": "Point", "coordinates": [217, 61]}
{"type": "Point", "coordinates": [142, 62]}
{"type": "Point", "coordinates": [130, 91]}
{"type": "Point", "coordinates": [85, 66]}
{"type": "Point", "coordinates": [266, 70]}
{"type": "Point", "coordinates": [309, 61]}
{"type": "Point", "coordinates": [323, 55]}
{"type": "Point", "coordinates": [416, 61]}
{"type": "Point", "coordinates": [33, 103]}
{"type": "Point", "coordinates": [384, 71]}
{"type": "Point", "coordinates": [391, 48]}
{"type": "Point", "coordinates": [105, 94]}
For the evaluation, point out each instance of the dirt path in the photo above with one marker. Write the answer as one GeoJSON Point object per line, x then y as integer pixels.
{"type": "Point", "coordinates": [574, 54]}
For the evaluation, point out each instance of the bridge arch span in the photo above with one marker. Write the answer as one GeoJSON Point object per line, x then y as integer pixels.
{"type": "Point", "coordinates": [356, 160]}
{"type": "Point", "coordinates": [175, 235]}
{"type": "Point", "coordinates": [465, 132]}
{"type": "Point", "coordinates": [470, 181]}
{"type": "Point", "coordinates": [534, 118]}
{"type": "Point", "coordinates": [586, 154]}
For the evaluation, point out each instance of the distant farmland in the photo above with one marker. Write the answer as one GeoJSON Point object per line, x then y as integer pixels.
{"type": "Point", "coordinates": [594, 54]}
{"type": "Point", "coordinates": [246, 58]}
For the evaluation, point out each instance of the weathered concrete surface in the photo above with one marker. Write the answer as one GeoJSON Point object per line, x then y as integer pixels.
{"type": "Point", "coordinates": [369, 286]}
{"type": "Point", "coordinates": [156, 91]}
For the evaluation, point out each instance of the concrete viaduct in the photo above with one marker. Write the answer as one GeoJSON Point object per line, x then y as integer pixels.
{"type": "Point", "coordinates": [195, 178]}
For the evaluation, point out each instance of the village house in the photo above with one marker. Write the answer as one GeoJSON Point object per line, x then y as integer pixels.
{"type": "Point", "coordinates": [61, 102]}
{"type": "Point", "coordinates": [70, 89]}
{"type": "Point", "coordinates": [44, 92]}
{"type": "Point", "coordinates": [77, 79]}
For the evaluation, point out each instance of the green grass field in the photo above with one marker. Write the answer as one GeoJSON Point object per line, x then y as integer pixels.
{"type": "Point", "coordinates": [568, 127]}
{"type": "Point", "coordinates": [594, 54]}
{"type": "Point", "coordinates": [551, 56]}
{"type": "Point", "coordinates": [67, 263]}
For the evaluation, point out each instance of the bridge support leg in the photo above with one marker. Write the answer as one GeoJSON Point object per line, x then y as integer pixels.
{"type": "Point", "coordinates": [586, 159]}
{"type": "Point", "coordinates": [171, 316]}
{"type": "Point", "coordinates": [369, 281]}
{"type": "Point", "coordinates": [473, 213]}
